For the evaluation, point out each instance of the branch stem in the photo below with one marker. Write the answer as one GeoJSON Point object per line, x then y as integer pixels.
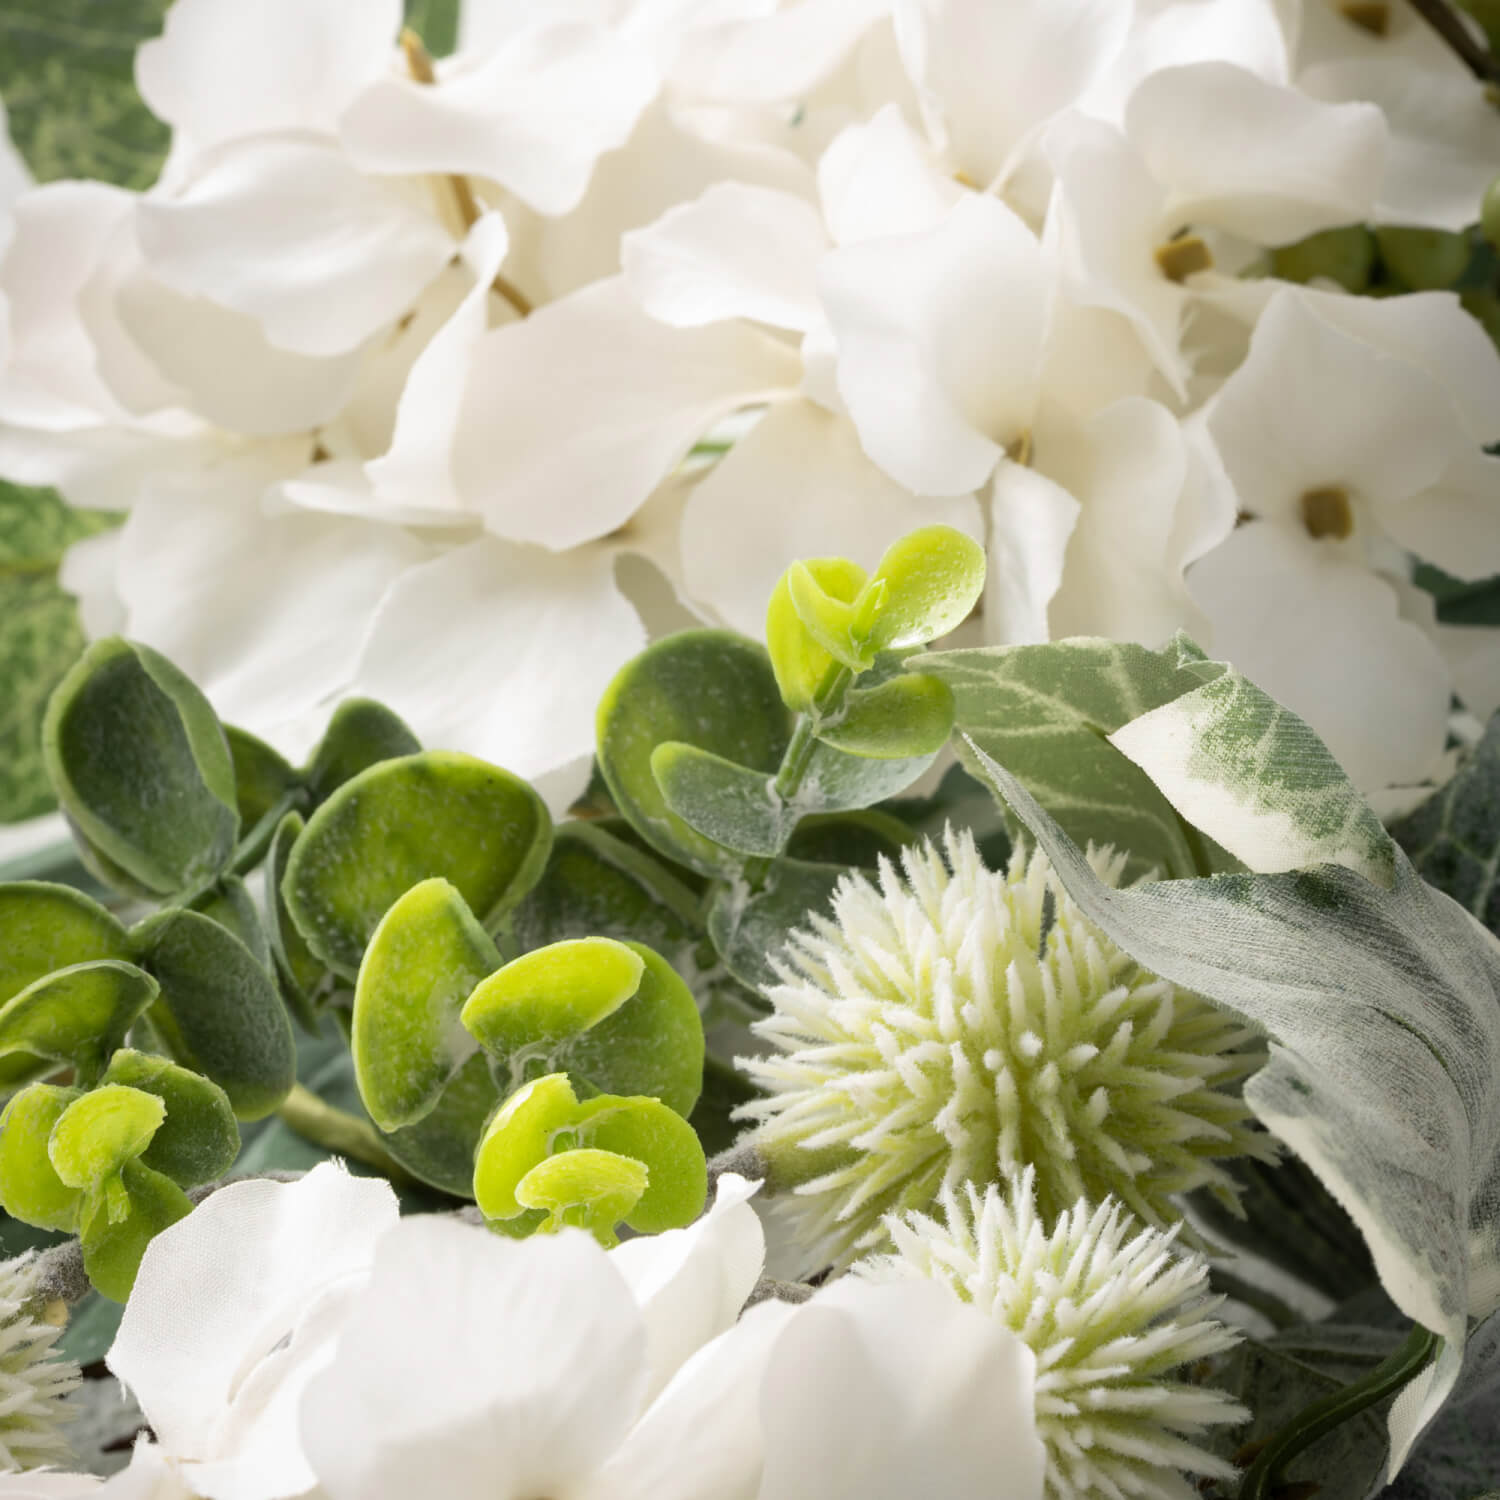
{"type": "Point", "coordinates": [338, 1131]}
{"type": "Point", "coordinates": [1446, 21]}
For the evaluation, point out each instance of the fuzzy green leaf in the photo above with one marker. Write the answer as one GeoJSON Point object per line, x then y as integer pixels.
{"type": "Point", "coordinates": [933, 578]}
{"type": "Point", "coordinates": [112, 1249]}
{"type": "Point", "coordinates": [199, 1139]}
{"type": "Point", "coordinates": [30, 1189]}
{"type": "Point", "coordinates": [730, 804]}
{"type": "Point", "coordinates": [50, 927]}
{"type": "Point", "coordinates": [76, 1015]}
{"type": "Point", "coordinates": [904, 718]}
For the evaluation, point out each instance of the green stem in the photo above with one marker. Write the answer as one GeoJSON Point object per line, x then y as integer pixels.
{"type": "Point", "coordinates": [1451, 27]}
{"type": "Point", "coordinates": [338, 1131]}
{"type": "Point", "coordinates": [1319, 1419]}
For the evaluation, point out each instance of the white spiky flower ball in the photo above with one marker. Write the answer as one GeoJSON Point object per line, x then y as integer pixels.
{"type": "Point", "coordinates": [960, 1024]}
{"type": "Point", "coordinates": [34, 1377]}
{"type": "Point", "coordinates": [1113, 1311]}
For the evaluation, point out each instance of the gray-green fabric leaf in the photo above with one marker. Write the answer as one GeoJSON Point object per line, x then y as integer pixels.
{"type": "Point", "coordinates": [1383, 1013]}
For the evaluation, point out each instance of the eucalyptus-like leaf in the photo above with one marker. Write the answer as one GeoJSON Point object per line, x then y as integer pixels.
{"type": "Point", "coordinates": [97, 1134]}
{"type": "Point", "coordinates": [438, 813]}
{"type": "Point", "coordinates": [30, 1189]}
{"type": "Point", "coordinates": [586, 1188]}
{"type": "Point", "coordinates": [1382, 1007]}
{"type": "Point", "coordinates": [933, 578]}
{"type": "Point", "coordinates": [749, 927]}
{"type": "Point", "coordinates": [408, 1040]}
{"type": "Point", "coordinates": [841, 628]}
{"type": "Point", "coordinates": [440, 1147]}
{"type": "Point", "coordinates": [1044, 712]}
{"type": "Point", "coordinates": [140, 765]}
{"type": "Point", "coordinates": [231, 905]}
{"type": "Point", "coordinates": [647, 1131]}
{"type": "Point", "coordinates": [800, 663]}
{"type": "Point", "coordinates": [706, 688]}
{"type": "Point", "coordinates": [219, 1013]}
{"type": "Point", "coordinates": [77, 1015]}
{"type": "Point", "coordinates": [112, 1248]}
{"type": "Point", "coordinates": [263, 778]}
{"type": "Point", "coordinates": [49, 927]}
{"type": "Point", "coordinates": [199, 1139]}
{"type": "Point", "coordinates": [836, 781]}
{"type": "Point", "coordinates": [361, 734]}
{"type": "Point", "coordinates": [904, 718]}
{"type": "Point", "coordinates": [520, 1135]}
{"type": "Point", "coordinates": [730, 804]}
{"type": "Point", "coordinates": [1255, 778]}
{"type": "Point", "coordinates": [301, 974]}
{"type": "Point", "coordinates": [861, 838]}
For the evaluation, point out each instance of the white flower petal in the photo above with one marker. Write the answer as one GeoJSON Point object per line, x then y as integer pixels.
{"type": "Point", "coordinates": [533, 116]}
{"type": "Point", "coordinates": [1323, 636]}
{"type": "Point", "coordinates": [511, 1368]}
{"type": "Point", "coordinates": [1473, 656]}
{"type": "Point", "coordinates": [217, 1291]}
{"type": "Point", "coordinates": [222, 69]}
{"type": "Point", "coordinates": [417, 469]}
{"type": "Point", "coordinates": [1311, 408]}
{"type": "Point", "coordinates": [882, 1392]}
{"type": "Point", "coordinates": [692, 1283]}
{"type": "Point", "coordinates": [735, 252]}
{"type": "Point", "coordinates": [574, 416]}
{"type": "Point", "coordinates": [797, 485]}
{"type": "Point", "coordinates": [1454, 523]}
{"type": "Point", "coordinates": [288, 233]}
{"type": "Point", "coordinates": [991, 75]}
{"type": "Point", "coordinates": [1031, 519]}
{"type": "Point", "coordinates": [940, 338]}
{"type": "Point", "coordinates": [543, 633]}
{"type": "Point", "coordinates": [1445, 137]}
{"type": "Point", "coordinates": [1257, 159]}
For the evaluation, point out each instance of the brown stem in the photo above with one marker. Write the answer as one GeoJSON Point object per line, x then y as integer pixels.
{"type": "Point", "coordinates": [1446, 21]}
{"type": "Point", "coordinates": [419, 65]}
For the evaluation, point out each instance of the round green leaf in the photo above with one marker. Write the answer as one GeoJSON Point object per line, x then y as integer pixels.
{"type": "Point", "coordinates": [440, 1147]}
{"type": "Point", "coordinates": [1346, 256]}
{"type": "Point", "coordinates": [653, 1044]}
{"type": "Point", "coordinates": [841, 629]}
{"type": "Point", "coordinates": [544, 999]}
{"type": "Point", "coordinates": [262, 776]}
{"type": "Point", "coordinates": [141, 767]}
{"type": "Point", "coordinates": [519, 1136]}
{"type": "Point", "coordinates": [588, 1189]}
{"type": "Point", "coordinates": [402, 822]}
{"type": "Point", "coordinates": [77, 1015]}
{"type": "Point", "coordinates": [96, 1135]}
{"type": "Point", "coordinates": [800, 663]}
{"type": "Point", "coordinates": [361, 734]}
{"type": "Point", "coordinates": [1426, 260]}
{"type": "Point", "coordinates": [231, 905]}
{"type": "Point", "coordinates": [748, 930]}
{"type": "Point", "coordinates": [112, 1249]}
{"type": "Point", "coordinates": [836, 781]}
{"type": "Point", "coordinates": [850, 838]}
{"type": "Point", "coordinates": [933, 577]}
{"type": "Point", "coordinates": [219, 1013]}
{"type": "Point", "coordinates": [905, 717]}
{"type": "Point", "coordinates": [425, 958]}
{"type": "Point", "coordinates": [707, 688]}
{"type": "Point", "coordinates": [727, 803]}
{"type": "Point", "coordinates": [199, 1138]}
{"type": "Point", "coordinates": [51, 927]}
{"type": "Point", "coordinates": [648, 1132]}
{"type": "Point", "coordinates": [303, 976]}
{"type": "Point", "coordinates": [30, 1189]}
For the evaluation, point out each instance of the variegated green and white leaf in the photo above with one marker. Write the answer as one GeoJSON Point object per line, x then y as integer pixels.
{"type": "Point", "coordinates": [1046, 712]}
{"type": "Point", "coordinates": [1254, 777]}
{"type": "Point", "coordinates": [1382, 1006]}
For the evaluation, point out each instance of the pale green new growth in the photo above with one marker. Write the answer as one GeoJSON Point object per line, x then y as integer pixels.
{"type": "Point", "coordinates": [33, 1377]}
{"type": "Point", "coordinates": [959, 1025]}
{"type": "Point", "coordinates": [1110, 1310]}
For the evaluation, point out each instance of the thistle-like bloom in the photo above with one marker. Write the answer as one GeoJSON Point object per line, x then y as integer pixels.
{"type": "Point", "coordinates": [34, 1378]}
{"type": "Point", "coordinates": [1109, 1309]}
{"type": "Point", "coordinates": [959, 1025]}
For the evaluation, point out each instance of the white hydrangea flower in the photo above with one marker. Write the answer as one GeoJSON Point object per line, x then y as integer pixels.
{"type": "Point", "coordinates": [34, 1377]}
{"type": "Point", "coordinates": [1114, 1313]}
{"type": "Point", "coordinates": [954, 1024]}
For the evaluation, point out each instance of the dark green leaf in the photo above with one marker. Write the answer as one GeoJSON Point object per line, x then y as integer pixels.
{"type": "Point", "coordinates": [199, 1138]}
{"type": "Point", "coordinates": [904, 718]}
{"type": "Point", "coordinates": [748, 928]}
{"type": "Point", "coordinates": [361, 734]}
{"type": "Point", "coordinates": [727, 803]}
{"type": "Point", "coordinates": [77, 1015]}
{"type": "Point", "coordinates": [47, 927]}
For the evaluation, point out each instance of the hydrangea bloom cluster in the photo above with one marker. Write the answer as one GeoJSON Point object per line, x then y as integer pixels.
{"type": "Point", "coordinates": [392, 339]}
{"type": "Point", "coordinates": [953, 1025]}
{"type": "Point", "coordinates": [1115, 1315]}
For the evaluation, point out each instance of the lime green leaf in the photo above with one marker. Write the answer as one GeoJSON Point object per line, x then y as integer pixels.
{"type": "Point", "coordinates": [837, 627]}
{"type": "Point", "coordinates": [361, 734]}
{"type": "Point", "coordinates": [423, 962]}
{"type": "Point", "coordinates": [800, 663]}
{"type": "Point", "coordinates": [544, 999]}
{"type": "Point", "coordinates": [706, 688]}
{"type": "Point", "coordinates": [403, 821]}
{"type": "Point", "coordinates": [730, 804]}
{"type": "Point", "coordinates": [96, 1135]}
{"type": "Point", "coordinates": [219, 1013]}
{"type": "Point", "coordinates": [30, 1189]}
{"type": "Point", "coordinates": [588, 1188]}
{"type": "Point", "coordinates": [75, 1015]}
{"type": "Point", "coordinates": [933, 579]}
{"type": "Point", "coordinates": [140, 764]}
{"type": "Point", "coordinates": [516, 1139]}
{"type": "Point", "coordinates": [905, 717]}
{"type": "Point", "coordinates": [646, 1130]}
{"type": "Point", "coordinates": [1044, 713]}
{"type": "Point", "coordinates": [50, 927]}
{"type": "Point", "coordinates": [199, 1138]}
{"type": "Point", "coordinates": [112, 1249]}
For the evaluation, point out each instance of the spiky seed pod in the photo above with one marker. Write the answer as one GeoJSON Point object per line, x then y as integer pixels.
{"type": "Point", "coordinates": [34, 1378]}
{"type": "Point", "coordinates": [1110, 1309]}
{"type": "Point", "coordinates": [961, 1024]}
